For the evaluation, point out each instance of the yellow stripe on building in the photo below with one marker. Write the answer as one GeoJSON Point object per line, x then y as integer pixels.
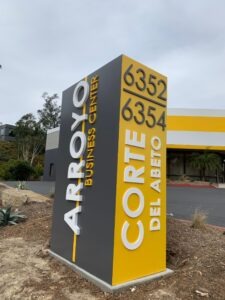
{"type": "Point", "coordinates": [196, 123]}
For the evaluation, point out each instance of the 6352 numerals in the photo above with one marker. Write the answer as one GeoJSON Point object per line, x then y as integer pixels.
{"type": "Point", "coordinates": [143, 114]}
{"type": "Point", "coordinates": [150, 83]}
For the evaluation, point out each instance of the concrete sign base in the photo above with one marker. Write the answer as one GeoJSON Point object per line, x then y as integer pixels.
{"type": "Point", "coordinates": [105, 286]}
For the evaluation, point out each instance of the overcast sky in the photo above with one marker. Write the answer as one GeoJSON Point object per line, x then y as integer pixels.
{"type": "Point", "coordinates": [48, 45]}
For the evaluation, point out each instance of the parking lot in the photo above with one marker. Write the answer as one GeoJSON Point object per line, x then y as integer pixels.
{"type": "Point", "coordinates": [181, 201]}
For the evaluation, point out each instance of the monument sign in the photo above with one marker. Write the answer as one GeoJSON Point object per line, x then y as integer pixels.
{"type": "Point", "coordinates": [109, 220]}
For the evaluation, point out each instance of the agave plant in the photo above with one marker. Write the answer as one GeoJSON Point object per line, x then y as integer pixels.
{"type": "Point", "coordinates": [7, 217]}
{"type": "Point", "coordinates": [21, 185]}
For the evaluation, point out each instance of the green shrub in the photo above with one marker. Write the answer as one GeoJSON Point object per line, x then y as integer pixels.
{"type": "Point", "coordinates": [39, 160]}
{"type": "Point", "coordinates": [4, 172]}
{"type": "Point", "coordinates": [16, 170]}
{"type": "Point", "coordinates": [21, 170]}
{"type": "Point", "coordinates": [7, 217]}
{"type": "Point", "coordinates": [39, 170]}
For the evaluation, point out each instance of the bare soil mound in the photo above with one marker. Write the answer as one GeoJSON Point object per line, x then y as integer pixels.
{"type": "Point", "coordinates": [14, 197]}
{"type": "Point", "coordinates": [27, 272]}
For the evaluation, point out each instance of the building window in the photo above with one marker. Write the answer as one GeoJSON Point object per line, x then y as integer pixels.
{"type": "Point", "coordinates": [11, 133]}
{"type": "Point", "coordinates": [51, 169]}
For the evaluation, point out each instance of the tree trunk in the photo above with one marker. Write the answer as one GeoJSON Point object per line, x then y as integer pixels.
{"type": "Point", "coordinates": [203, 174]}
{"type": "Point", "coordinates": [217, 176]}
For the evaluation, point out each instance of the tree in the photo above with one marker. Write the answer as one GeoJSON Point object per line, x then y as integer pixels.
{"type": "Point", "coordinates": [49, 116]}
{"type": "Point", "coordinates": [30, 138]}
{"type": "Point", "coordinates": [8, 151]}
{"type": "Point", "coordinates": [206, 161]}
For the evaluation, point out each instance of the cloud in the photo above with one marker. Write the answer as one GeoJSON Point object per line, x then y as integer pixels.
{"type": "Point", "coordinates": [48, 45]}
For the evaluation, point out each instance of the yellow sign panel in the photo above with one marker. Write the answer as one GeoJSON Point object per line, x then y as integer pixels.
{"type": "Point", "coordinates": [140, 215]}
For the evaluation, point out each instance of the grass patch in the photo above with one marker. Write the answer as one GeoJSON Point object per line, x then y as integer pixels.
{"type": "Point", "coordinates": [199, 219]}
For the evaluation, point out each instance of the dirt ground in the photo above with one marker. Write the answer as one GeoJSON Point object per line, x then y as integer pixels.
{"type": "Point", "coordinates": [28, 272]}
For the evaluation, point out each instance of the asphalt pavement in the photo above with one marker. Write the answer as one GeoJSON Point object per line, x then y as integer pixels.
{"type": "Point", "coordinates": [181, 201]}
{"type": "Point", "coordinates": [41, 187]}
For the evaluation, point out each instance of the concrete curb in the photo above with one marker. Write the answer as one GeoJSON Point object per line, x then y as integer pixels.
{"type": "Point", "coordinates": [210, 225]}
{"type": "Point", "coordinates": [191, 185]}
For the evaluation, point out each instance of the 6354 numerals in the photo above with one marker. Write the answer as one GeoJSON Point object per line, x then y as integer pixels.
{"type": "Point", "coordinates": [150, 83]}
{"type": "Point", "coordinates": [142, 114]}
